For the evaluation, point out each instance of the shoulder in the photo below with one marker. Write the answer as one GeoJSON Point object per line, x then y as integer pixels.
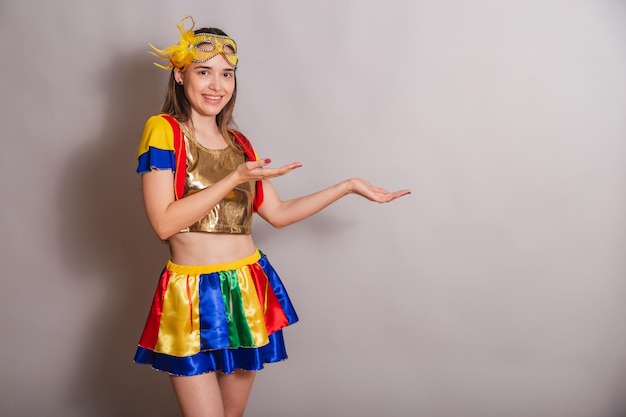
{"type": "Point", "coordinates": [242, 140]}
{"type": "Point", "coordinates": [156, 147]}
{"type": "Point", "coordinates": [160, 122]}
{"type": "Point", "coordinates": [237, 134]}
{"type": "Point", "coordinates": [158, 132]}
{"type": "Point", "coordinates": [245, 144]}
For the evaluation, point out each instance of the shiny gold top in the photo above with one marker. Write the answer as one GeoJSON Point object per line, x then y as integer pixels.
{"type": "Point", "coordinates": [204, 168]}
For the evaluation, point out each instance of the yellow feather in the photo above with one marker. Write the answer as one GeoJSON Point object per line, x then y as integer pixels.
{"type": "Point", "coordinates": [180, 55]}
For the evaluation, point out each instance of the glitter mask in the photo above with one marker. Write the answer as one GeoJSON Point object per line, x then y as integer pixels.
{"type": "Point", "coordinates": [207, 46]}
{"type": "Point", "coordinates": [195, 48]}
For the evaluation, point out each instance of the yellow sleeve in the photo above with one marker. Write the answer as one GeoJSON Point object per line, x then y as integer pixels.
{"type": "Point", "coordinates": [156, 148]}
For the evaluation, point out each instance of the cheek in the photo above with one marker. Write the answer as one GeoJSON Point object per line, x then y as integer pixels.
{"type": "Point", "coordinates": [229, 87]}
{"type": "Point", "coordinates": [233, 84]}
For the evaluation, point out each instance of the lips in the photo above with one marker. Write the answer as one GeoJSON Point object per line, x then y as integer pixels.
{"type": "Point", "coordinates": [211, 98]}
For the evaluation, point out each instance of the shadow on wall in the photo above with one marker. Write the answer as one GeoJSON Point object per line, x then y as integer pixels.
{"type": "Point", "coordinates": [106, 237]}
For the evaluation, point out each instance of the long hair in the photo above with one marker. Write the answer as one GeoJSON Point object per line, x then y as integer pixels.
{"type": "Point", "coordinates": [176, 104]}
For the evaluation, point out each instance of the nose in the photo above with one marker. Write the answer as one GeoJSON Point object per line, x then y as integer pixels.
{"type": "Point", "coordinates": [215, 82]}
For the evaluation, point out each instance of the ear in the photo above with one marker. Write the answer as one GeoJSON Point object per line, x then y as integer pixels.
{"type": "Point", "coordinates": [178, 75]}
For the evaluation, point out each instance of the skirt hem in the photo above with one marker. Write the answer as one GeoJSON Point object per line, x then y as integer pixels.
{"type": "Point", "coordinates": [260, 368]}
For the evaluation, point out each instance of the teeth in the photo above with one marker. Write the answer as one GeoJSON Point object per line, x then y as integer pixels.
{"type": "Point", "coordinates": [213, 97]}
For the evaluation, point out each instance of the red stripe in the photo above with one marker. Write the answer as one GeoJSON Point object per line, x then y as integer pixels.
{"type": "Point", "coordinates": [151, 330]}
{"type": "Point", "coordinates": [181, 157]}
{"type": "Point", "coordinates": [275, 318]}
{"type": "Point", "coordinates": [190, 306]}
{"type": "Point", "coordinates": [246, 146]}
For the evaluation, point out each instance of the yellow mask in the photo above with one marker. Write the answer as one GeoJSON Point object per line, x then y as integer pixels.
{"type": "Point", "coordinates": [207, 46]}
{"type": "Point", "coordinates": [196, 48]}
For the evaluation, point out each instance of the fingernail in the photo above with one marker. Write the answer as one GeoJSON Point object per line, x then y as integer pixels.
{"type": "Point", "coordinates": [267, 160]}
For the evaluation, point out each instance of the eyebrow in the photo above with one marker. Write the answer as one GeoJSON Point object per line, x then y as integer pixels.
{"type": "Point", "coordinates": [208, 67]}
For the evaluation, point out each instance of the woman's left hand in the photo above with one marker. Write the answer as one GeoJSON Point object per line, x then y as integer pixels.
{"type": "Point", "coordinates": [372, 193]}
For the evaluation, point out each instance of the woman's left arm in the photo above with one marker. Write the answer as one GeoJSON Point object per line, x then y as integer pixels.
{"type": "Point", "coordinates": [280, 213]}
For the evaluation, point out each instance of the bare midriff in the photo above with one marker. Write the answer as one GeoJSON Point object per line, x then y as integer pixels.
{"type": "Point", "coordinates": [210, 248]}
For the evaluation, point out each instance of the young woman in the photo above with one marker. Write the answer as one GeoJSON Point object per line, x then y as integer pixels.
{"type": "Point", "coordinates": [219, 307]}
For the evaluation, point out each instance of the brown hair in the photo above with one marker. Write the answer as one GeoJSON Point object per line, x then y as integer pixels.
{"type": "Point", "coordinates": [177, 105]}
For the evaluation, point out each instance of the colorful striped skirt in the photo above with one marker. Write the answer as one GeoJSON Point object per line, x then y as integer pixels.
{"type": "Point", "coordinates": [218, 317]}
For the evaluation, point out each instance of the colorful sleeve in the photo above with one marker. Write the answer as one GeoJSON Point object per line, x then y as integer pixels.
{"type": "Point", "coordinates": [156, 149]}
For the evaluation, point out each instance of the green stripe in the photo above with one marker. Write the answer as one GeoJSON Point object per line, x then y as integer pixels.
{"type": "Point", "coordinates": [239, 333]}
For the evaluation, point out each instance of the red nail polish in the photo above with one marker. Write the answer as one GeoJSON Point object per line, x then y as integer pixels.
{"type": "Point", "coordinates": [267, 160]}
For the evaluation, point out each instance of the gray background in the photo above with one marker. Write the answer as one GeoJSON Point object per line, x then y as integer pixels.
{"type": "Point", "coordinates": [496, 289]}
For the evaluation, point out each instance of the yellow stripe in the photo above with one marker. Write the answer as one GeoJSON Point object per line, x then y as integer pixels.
{"type": "Point", "coordinates": [157, 133]}
{"type": "Point", "coordinates": [179, 332]}
{"type": "Point", "coordinates": [207, 269]}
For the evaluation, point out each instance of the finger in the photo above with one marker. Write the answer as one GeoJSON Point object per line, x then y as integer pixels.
{"type": "Point", "coordinates": [292, 165]}
{"type": "Point", "coordinates": [252, 166]}
{"type": "Point", "coordinates": [261, 162]}
{"type": "Point", "coordinates": [267, 173]}
{"type": "Point", "coordinates": [266, 161]}
{"type": "Point", "coordinates": [398, 194]}
{"type": "Point", "coordinates": [402, 192]}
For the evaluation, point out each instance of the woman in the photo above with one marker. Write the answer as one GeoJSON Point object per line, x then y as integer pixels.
{"type": "Point", "coordinates": [219, 308]}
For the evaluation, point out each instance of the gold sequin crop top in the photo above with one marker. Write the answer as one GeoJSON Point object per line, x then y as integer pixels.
{"type": "Point", "coordinates": [204, 168]}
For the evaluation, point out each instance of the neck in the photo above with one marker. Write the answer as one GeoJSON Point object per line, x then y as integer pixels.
{"type": "Point", "coordinates": [206, 131]}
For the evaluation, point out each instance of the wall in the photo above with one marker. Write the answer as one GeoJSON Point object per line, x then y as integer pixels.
{"type": "Point", "coordinates": [495, 289]}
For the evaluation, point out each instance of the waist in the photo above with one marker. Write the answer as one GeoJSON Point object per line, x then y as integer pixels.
{"type": "Point", "coordinates": [194, 248]}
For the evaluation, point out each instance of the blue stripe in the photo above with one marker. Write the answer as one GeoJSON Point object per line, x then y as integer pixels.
{"type": "Point", "coordinates": [225, 360]}
{"type": "Point", "coordinates": [213, 317]}
{"type": "Point", "coordinates": [156, 158]}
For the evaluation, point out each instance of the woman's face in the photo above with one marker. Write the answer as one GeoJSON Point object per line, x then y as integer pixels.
{"type": "Point", "coordinates": [208, 85]}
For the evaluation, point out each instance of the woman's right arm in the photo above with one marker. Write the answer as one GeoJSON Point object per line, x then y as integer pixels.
{"type": "Point", "coordinates": [168, 216]}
